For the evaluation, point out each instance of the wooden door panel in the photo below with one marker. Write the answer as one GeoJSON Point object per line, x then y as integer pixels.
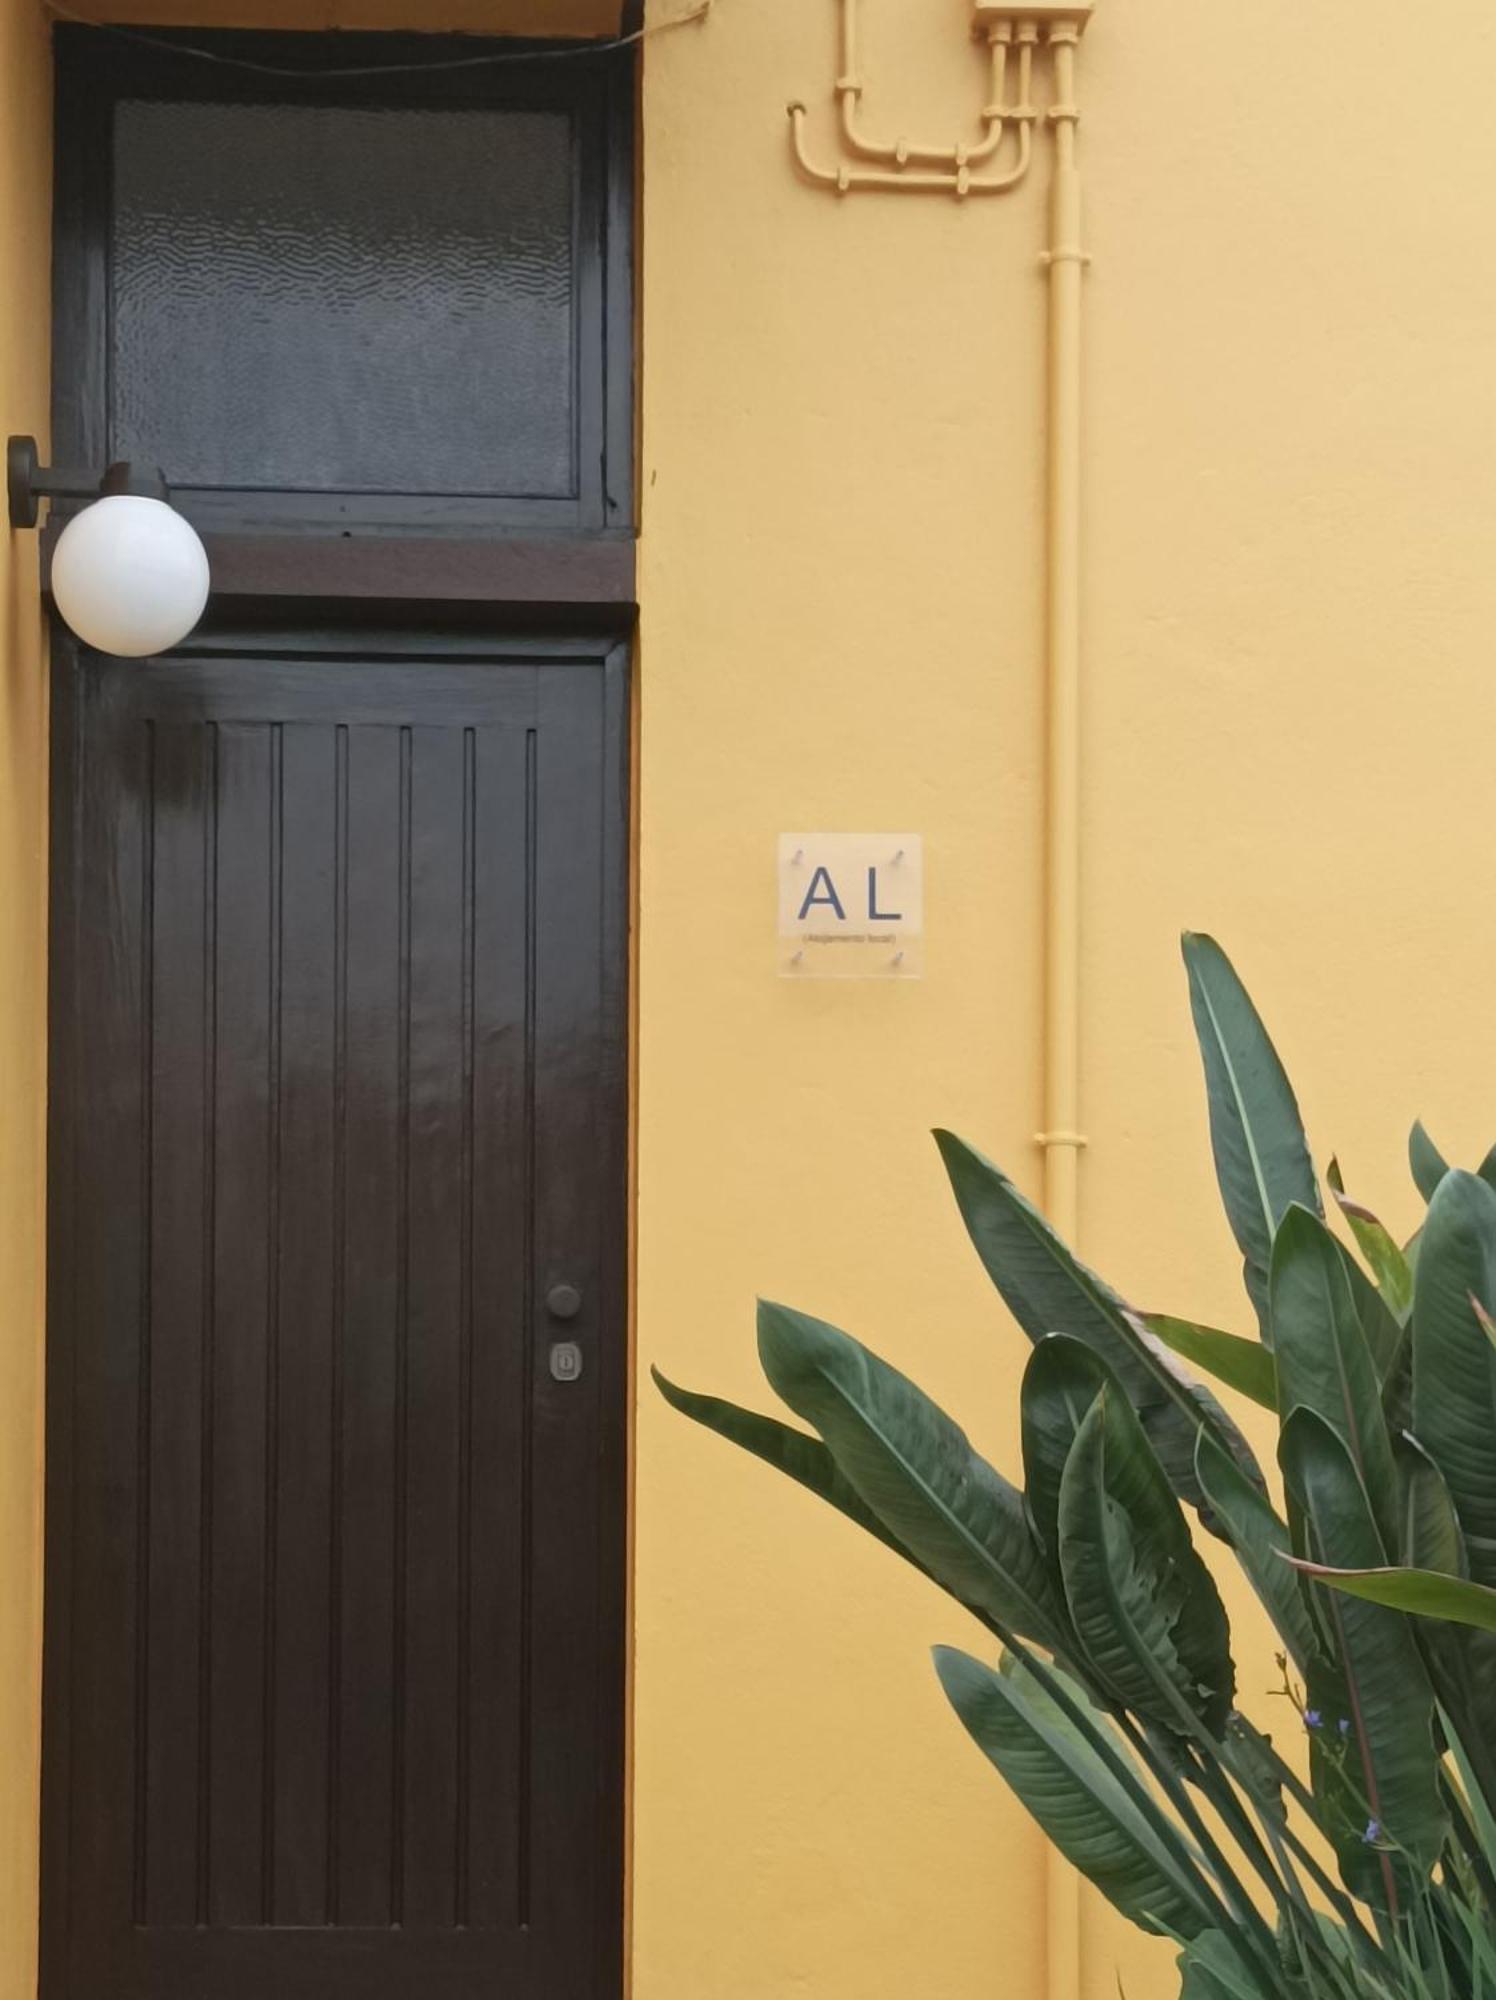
{"type": "Point", "coordinates": [335, 1583]}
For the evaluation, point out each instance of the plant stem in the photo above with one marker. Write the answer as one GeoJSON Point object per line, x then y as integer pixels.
{"type": "Point", "coordinates": [1284, 1841]}
{"type": "Point", "coordinates": [1468, 1839]}
{"type": "Point", "coordinates": [1216, 1913]}
{"type": "Point", "coordinates": [1244, 1909]}
{"type": "Point", "coordinates": [1213, 1778]}
{"type": "Point", "coordinates": [1373, 1948]}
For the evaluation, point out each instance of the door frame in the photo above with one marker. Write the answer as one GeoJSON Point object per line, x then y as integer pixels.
{"type": "Point", "coordinates": [523, 587]}
{"type": "Point", "coordinates": [67, 1021]}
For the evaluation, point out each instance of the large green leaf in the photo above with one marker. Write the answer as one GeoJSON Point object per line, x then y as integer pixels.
{"type": "Point", "coordinates": [1473, 1760]}
{"type": "Point", "coordinates": [1144, 1607]}
{"type": "Point", "coordinates": [1428, 1528]}
{"type": "Point", "coordinates": [908, 1462]}
{"type": "Point", "coordinates": [1336, 1776]}
{"type": "Point", "coordinates": [1397, 1389]}
{"type": "Point", "coordinates": [1428, 1164]}
{"type": "Point", "coordinates": [1261, 1541]}
{"type": "Point", "coordinates": [1378, 1246]}
{"type": "Point", "coordinates": [1384, 1333]}
{"type": "Point", "coordinates": [1454, 1364]}
{"type": "Point", "coordinates": [1462, 1660]}
{"type": "Point", "coordinates": [1078, 1802]}
{"type": "Point", "coordinates": [1426, 1593]}
{"type": "Point", "coordinates": [1244, 1365]}
{"type": "Point", "coordinates": [1213, 1969]}
{"type": "Point", "coordinates": [1063, 1379]}
{"type": "Point", "coordinates": [803, 1459]}
{"type": "Point", "coordinates": [1458, 1645]}
{"type": "Point", "coordinates": [1262, 1160]}
{"type": "Point", "coordinates": [1324, 1363]}
{"type": "Point", "coordinates": [1387, 1766]}
{"type": "Point", "coordinates": [1048, 1290]}
{"type": "Point", "coordinates": [1461, 1657]}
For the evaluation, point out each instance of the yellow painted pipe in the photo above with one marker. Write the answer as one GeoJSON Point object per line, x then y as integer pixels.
{"type": "Point", "coordinates": [1065, 258]}
{"type": "Point", "coordinates": [1061, 1138]}
{"type": "Point", "coordinates": [904, 152]}
{"type": "Point", "coordinates": [936, 169]}
{"type": "Point", "coordinates": [960, 182]}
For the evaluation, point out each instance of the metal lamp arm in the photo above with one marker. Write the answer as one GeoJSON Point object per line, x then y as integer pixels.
{"type": "Point", "coordinates": [28, 482]}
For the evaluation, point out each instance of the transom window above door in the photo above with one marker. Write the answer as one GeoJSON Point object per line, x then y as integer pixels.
{"type": "Point", "coordinates": [345, 299]}
{"type": "Point", "coordinates": [334, 303]}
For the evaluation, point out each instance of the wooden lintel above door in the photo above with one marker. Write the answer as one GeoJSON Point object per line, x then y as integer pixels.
{"type": "Point", "coordinates": [548, 18]}
{"type": "Point", "coordinates": [591, 577]}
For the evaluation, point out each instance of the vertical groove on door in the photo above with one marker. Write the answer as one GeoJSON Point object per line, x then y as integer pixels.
{"type": "Point", "coordinates": [465, 1312]}
{"type": "Point", "coordinates": [402, 1351]}
{"type": "Point", "coordinates": [143, 1400]}
{"type": "Point", "coordinates": [174, 1442]}
{"type": "Point", "coordinates": [373, 877]}
{"type": "Point", "coordinates": [500, 1328]}
{"type": "Point", "coordinates": [339, 1319]}
{"type": "Point", "coordinates": [209, 1332]}
{"type": "Point", "coordinates": [524, 1788]}
{"type": "Point", "coordinates": [308, 1207]}
{"type": "Point", "coordinates": [440, 1101]}
{"type": "Point", "coordinates": [275, 939]}
{"type": "Point", "coordinates": [242, 1188]}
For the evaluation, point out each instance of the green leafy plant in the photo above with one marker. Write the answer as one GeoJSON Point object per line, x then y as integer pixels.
{"type": "Point", "coordinates": [1110, 1705]}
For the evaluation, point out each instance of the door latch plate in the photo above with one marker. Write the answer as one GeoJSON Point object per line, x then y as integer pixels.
{"type": "Point", "coordinates": [566, 1360]}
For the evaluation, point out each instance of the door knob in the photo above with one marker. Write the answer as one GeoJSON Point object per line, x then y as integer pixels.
{"type": "Point", "coordinates": [563, 1301]}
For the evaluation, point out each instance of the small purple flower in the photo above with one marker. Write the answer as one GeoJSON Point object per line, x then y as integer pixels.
{"type": "Point", "coordinates": [1373, 1832]}
{"type": "Point", "coordinates": [1313, 1719]}
{"type": "Point", "coordinates": [1344, 1725]}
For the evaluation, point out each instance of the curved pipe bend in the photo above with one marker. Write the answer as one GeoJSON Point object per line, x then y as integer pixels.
{"type": "Point", "coordinates": [901, 153]}
{"type": "Point", "coordinates": [960, 182]}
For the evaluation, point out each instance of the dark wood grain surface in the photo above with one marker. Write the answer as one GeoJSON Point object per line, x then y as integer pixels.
{"type": "Point", "coordinates": [335, 1576]}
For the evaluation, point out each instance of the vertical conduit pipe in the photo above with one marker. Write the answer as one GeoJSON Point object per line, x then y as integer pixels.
{"type": "Point", "coordinates": [1061, 1138]}
{"type": "Point", "coordinates": [1065, 258]}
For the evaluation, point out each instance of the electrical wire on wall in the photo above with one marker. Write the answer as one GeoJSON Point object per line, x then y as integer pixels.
{"type": "Point", "coordinates": [492, 59]}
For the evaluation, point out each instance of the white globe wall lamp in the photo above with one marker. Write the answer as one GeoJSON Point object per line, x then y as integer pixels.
{"type": "Point", "coordinates": [129, 573]}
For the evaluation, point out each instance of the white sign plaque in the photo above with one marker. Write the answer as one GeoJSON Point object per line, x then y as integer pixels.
{"type": "Point", "coordinates": [851, 905]}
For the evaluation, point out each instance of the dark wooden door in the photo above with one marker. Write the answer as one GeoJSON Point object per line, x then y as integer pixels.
{"type": "Point", "coordinates": [335, 1538]}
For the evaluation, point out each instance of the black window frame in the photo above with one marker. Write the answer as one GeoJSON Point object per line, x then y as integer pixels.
{"type": "Point", "coordinates": [97, 68]}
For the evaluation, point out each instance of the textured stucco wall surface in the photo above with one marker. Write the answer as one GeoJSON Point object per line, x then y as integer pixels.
{"type": "Point", "coordinates": [1290, 606]}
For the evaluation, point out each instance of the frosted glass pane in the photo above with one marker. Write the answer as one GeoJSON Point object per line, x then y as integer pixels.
{"type": "Point", "coordinates": [318, 298]}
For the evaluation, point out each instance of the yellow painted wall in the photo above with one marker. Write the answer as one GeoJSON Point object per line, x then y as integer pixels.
{"type": "Point", "coordinates": [841, 623]}
{"type": "Point", "coordinates": [25, 257]}
{"type": "Point", "coordinates": [1291, 627]}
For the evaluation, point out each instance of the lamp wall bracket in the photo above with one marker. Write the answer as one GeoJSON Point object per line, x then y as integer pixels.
{"type": "Point", "coordinates": [28, 482]}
